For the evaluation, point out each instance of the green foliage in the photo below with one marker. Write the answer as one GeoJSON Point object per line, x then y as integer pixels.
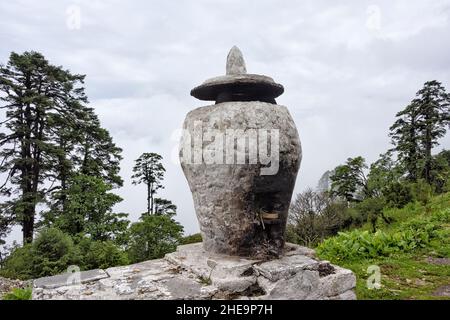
{"type": "Point", "coordinates": [54, 251]}
{"type": "Point", "coordinates": [402, 250]}
{"type": "Point", "coordinates": [383, 173]}
{"type": "Point", "coordinates": [314, 216]}
{"type": "Point", "coordinates": [51, 135]}
{"type": "Point", "coordinates": [418, 129]}
{"type": "Point", "coordinates": [51, 253]}
{"type": "Point", "coordinates": [89, 210]}
{"type": "Point", "coordinates": [440, 172]}
{"type": "Point", "coordinates": [398, 194]}
{"type": "Point", "coordinates": [18, 294]}
{"type": "Point", "coordinates": [19, 263]}
{"type": "Point", "coordinates": [163, 206]}
{"type": "Point", "coordinates": [101, 254]}
{"type": "Point", "coordinates": [409, 235]}
{"type": "Point", "coordinates": [39, 98]}
{"type": "Point", "coordinates": [149, 170]}
{"type": "Point", "coordinates": [421, 191]}
{"type": "Point", "coordinates": [362, 244]}
{"type": "Point", "coordinates": [153, 237]}
{"type": "Point", "coordinates": [349, 180]}
{"type": "Point", "coordinates": [371, 209]}
{"type": "Point", "coordinates": [192, 238]}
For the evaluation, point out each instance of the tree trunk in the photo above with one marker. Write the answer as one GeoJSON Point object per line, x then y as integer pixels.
{"type": "Point", "coordinates": [428, 159]}
{"type": "Point", "coordinates": [151, 198]}
{"type": "Point", "coordinates": [412, 161]}
{"type": "Point", "coordinates": [28, 224]}
{"type": "Point", "coordinates": [148, 199]}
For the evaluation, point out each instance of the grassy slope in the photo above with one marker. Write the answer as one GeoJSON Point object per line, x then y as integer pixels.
{"type": "Point", "coordinates": [407, 275]}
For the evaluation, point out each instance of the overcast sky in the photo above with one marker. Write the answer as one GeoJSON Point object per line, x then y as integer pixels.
{"type": "Point", "coordinates": [347, 69]}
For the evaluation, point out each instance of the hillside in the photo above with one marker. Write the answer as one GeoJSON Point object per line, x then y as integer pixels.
{"type": "Point", "coordinates": [412, 253]}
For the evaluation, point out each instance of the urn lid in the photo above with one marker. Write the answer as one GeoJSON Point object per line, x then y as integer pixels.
{"type": "Point", "coordinates": [237, 84]}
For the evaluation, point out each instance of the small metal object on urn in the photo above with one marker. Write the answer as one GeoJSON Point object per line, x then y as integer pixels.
{"type": "Point", "coordinates": [240, 157]}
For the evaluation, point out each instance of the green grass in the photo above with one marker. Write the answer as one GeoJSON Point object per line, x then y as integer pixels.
{"type": "Point", "coordinates": [401, 250]}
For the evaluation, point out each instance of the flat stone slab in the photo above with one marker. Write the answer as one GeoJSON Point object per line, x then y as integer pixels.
{"type": "Point", "coordinates": [192, 273]}
{"type": "Point", "coordinates": [69, 278]}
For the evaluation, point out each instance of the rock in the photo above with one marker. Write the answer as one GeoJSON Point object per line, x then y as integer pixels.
{"type": "Point", "coordinates": [192, 273]}
{"type": "Point", "coordinates": [339, 282]}
{"type": "Point", "coordinates": [347, 295]}
{"type": "Point", "coordinates": [442, 291]}
{"type": "Point", "coordinates": [69, 278]}
{"type": "Point", "coordinates": [237, 84]}
{"type": "Point", "coordinates": [285, 267]}
{"type": "Point", "coordinates": [241, 157]}
{"type": "Point", "coordinates": [235, 62]}
{"type": "Point", "coordinates": [300, 286]}
{"type": "Point", "coordinates": [229, 199]}
{"type": "Point", "coordinates": [6, 285]}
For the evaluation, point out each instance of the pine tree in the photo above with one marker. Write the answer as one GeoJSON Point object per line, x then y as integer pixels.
{"type": "Point", "coordinates": [37, 97]}
{"type": "Point", "coordinates": [97, 155]}
{"type": "Point", "coordinates": [405, 138]}
{"type": "Point", "coordinates": [418, 129]}
{"type": "Point", "coordinates": [150, 171]}
{"type": "Point", "coordinates": [433, 104]}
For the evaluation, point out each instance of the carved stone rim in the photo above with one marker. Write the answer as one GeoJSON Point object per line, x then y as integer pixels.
{"type": "Point", "coordinates": [211, 88]}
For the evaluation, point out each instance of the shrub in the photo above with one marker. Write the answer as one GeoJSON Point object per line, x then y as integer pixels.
{"type": "Point", "coordinates": [422, 191]}
{"type": "Point", "coordinates": [192, 238]}
{"type": "Point", "coordinates": [410, 235]}
{"type": "Point", "coordinates": [153, 237]}
{"type": "Point", "coordinates": [51, 253]}
{"type": "Point", "coordinates": [398, 194]}
{"type": "Point", "coordinates": [19, 263]}
{"type": "Point", "coordinates": [314, 216]}
{"type": "Point", "coordinates": [18, 294]}
{"type": "Point", "coordinates": [101, 254]}
{"type": "Point", "coordinates": [372, 208]}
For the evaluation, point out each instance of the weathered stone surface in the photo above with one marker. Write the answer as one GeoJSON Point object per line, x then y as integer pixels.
{"type": "Point", "coordinates": [286, 267]}
{"type": "Point", "coordinates": [192, 273]}
{"type": "Point", "coordinates": [340, 281]}
{"type": "Point", "coordinates": [229, 199]}
{"type": "Point", "coordinates": [302, 285]}
{"type": "Point", "coordinates": [347, 295]}
{"type": "Point", "coordinates": [237, 85]}
{"type": "Point", "coordinates": [66, 278]}
{"type": "Point", "coordinates": [6, 285]}
{"type": "Point", "coordinates": [235, 62]}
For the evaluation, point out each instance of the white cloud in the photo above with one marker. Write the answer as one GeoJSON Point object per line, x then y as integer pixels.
{"type": "Point", "coordinates": [343, 81]}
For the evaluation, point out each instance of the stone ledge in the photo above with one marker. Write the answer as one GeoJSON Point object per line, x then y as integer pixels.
{"type": "Point", "coordinates": [66, 278]}
{"type": "Point", "coordinates": [192, 273]}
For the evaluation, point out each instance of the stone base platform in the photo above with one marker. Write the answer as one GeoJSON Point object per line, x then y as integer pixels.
{"type": "Point", "coordinates": [192, 273]}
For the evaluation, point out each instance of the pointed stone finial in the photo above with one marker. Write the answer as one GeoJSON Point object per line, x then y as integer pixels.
{"type": "Point", "coordinates": [235, 62]}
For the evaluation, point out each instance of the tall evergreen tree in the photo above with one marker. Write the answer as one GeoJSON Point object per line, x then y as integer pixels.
{"type": "Point", "coordinates": [405, 138]}
{"type": "Point", "coordinates": [97, 155]}
{"type": "Point", "coordinates": [433, 104]}
{"type": "Point", "coordinates": [149, 170]}
{"type": "Point", "coordinates": [418, 129]}
{"type": "Point", "coordinates": [86, 150]}
{"type": "Point", "coordinates": [37, 97]}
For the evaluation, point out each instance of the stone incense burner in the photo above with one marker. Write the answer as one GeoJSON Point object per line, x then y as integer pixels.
{"type": "Point", "coordinates": [241, 156]}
